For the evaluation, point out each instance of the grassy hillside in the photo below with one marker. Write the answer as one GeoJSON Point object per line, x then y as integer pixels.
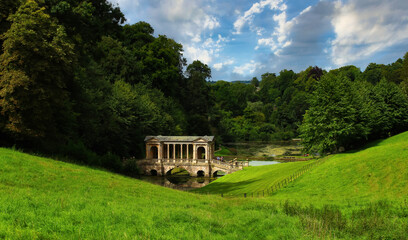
{"type": "Point", "coordinates": [377, 172]}
{"type": "Point", "coordinates": [252, 179]}
{"type": "Point", "coordinates": [380, 171]}
{"type": "Point", "coordinates": [356, 195]}
{"type": "Point", "coordinates": [46, 199]}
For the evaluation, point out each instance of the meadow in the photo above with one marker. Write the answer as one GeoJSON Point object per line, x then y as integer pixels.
{"type": "Point", "coordinates": [356, 195]}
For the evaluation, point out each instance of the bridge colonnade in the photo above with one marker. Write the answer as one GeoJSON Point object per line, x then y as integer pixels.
{"type": "Point", "coordinates": [193, 153]}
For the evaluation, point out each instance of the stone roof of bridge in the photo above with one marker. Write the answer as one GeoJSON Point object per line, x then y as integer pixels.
{"type": "Point", "coordinates": [179, 138]}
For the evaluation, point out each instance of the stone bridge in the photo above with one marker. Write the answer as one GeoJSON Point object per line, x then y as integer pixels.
{"type": "Point", "coordinates": [193, 153]}
{"type": "Point", "coordinates": [196, 168]}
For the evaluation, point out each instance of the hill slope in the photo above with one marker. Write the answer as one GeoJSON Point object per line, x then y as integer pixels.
{"type": "Point", "coordinates": [380, 171]}
{"type": "Point", "coordinates": [252, 179]}
{"type": "Point", "coordinates": [45, 199]}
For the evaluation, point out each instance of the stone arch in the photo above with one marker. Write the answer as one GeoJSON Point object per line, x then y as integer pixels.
{"type": "Point", "coordinates": [219, 173]}
{"type": "Point", "coordinates": [169, 170]}
{"type": "Point", "coordinates": [200, 173]}
{"type": "Point", "coordinates": [154, 152]}
{"type": "Point", "coordinates": [153, 172]}
{"type": "Point", "coordinates": [200, 153]}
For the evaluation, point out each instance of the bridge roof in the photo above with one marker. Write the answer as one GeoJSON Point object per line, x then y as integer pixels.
{"type": "Point", "coordinates": [179, 138]}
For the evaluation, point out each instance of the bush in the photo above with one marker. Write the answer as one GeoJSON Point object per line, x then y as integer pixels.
{"type": "Point", "coordinates": [78, 152]}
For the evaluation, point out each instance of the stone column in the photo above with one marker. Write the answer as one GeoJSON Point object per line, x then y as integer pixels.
{"type": "Point", "coordinates": [147, 152]}
{"type": "Point", "coordinates": [160, 151]}
{"type": "Point", "coordinates": [188, 146]}
{"type": "Point", "coordinates": [206, 153]}
{"type": "Point", "coordinates": [168, 151]}
{"type": "Point", "coordinates": [174, 151]}
{"type": "Point", "coordinates": [194, 152]}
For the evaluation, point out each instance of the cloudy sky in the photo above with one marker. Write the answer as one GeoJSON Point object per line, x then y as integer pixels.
{"type": "Point", "coordinates": [240, 39]}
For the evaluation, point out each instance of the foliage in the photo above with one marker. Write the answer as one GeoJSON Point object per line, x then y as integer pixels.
{"type": "Point", "coordinates": [73, 75]}
{"type": "Point", "coordinates": [334, 118]}
{"type": "Point", "coordinates": [34, 96]}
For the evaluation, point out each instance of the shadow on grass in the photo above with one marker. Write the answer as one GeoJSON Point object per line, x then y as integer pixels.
{"type": "Point", "coordinates": [222, 187]}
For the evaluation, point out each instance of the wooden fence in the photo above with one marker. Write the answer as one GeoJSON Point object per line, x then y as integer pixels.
{"type": "Point", "coordinates": [279, 185]}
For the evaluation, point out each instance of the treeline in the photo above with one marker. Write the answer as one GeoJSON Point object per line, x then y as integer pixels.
{"type": "Point", "coordinates": [76, 82]}
{"type": "Point", "coordinates": [331, 111]}
{"type": "Point", "coordinates": [270, 109]}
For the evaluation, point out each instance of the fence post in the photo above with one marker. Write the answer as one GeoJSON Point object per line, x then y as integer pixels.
{"type": "Point", "coordinates": [222, 195]}
{"type": "Point", "coordinates": [244, 195]}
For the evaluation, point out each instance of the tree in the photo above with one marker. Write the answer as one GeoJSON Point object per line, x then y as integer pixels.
{"type": "Point", "coordinates": [255, 82]}
{"type": "Point", "coordinates": [333, 120]}
{"type": "Point", "coordinates": [198, 94]}
{"type": "Point", "coordinates": [36, 68]}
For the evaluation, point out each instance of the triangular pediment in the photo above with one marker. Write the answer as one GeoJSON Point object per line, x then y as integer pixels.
{"type": "Point", "coordinates": [200, 140]}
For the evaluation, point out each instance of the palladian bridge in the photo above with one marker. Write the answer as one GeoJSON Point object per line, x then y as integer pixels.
{"type": "Point", "coordinates": [192, 153]}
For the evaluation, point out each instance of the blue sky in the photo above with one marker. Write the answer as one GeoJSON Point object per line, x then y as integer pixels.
{"type": "Point", "coordinates": [241, 39]}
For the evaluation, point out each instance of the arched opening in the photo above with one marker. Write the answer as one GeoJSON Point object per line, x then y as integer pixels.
{"type": "Point", "coordinates": [153, 172]}
{"type": "Point", "coordinates": [200, 173]}
{"type": "Point", "coordinates": [178, 175]}
{"type": "Point", "coordinates": [201, 153]}
{"type": "Point", "coordinates": [154, 152]}
{"type": "Point", "coordinates": [218, 173]}
{"type": "Point", "coordinates": [177, 171]}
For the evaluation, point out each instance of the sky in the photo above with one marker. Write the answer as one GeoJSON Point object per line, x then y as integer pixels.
{"type": "Point", "coordinates": [242, 39]}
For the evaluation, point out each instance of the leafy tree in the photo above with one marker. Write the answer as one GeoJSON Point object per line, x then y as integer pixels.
{"type": "Point", "coordinates": [404, 75]}
{"type": "Point", "coordinates": [255, 82]}
{"type": "Point", "coordinates": [198, 93]}
{"type": "Point", "coordinates": [351, 72]}
{"type": "Point", "coordinates": [117, 61]}
{"type": "Point", "coordinates": [36, 68]}
{"type": "Point", "coordinates": [163, 64]}
{"type": "Point", "coordinates": [137, 35]}
{"type": "Point", "coordinates": [307, 79]}
{"type": "Point", "coordinates": [6, 9]}
{"type": "Point", "coordinates": [333, 119]}
{"type": "Point", "coordinates": [393, 106]}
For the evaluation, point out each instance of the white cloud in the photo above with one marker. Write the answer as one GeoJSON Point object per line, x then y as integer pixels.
{"type": "Point", "coordinates": [279, 38]}
{"type": "Point", "coordinates": [188, 22]}
{"type": "Point", "coordinates": [196, 53]}
{"type": "Point", "coordinates": [248, 68]}
{"type": "Point", "coordinates": [256, 8]}
{"type": "Point", "coordinates": [364, 28]}
{"type": "Point", "coordinates": [219, 66]}
{"type": "Point", "coordinates": [206, 51]}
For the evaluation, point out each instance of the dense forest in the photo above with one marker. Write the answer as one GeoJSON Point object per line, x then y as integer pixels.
{"type": "Point", "coordinates": [75, 81]}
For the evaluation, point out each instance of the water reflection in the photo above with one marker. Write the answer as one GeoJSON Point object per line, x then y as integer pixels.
{"type": "Point", "coordinates": [184, 183]}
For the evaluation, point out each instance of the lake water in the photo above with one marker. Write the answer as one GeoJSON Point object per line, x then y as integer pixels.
{"type": "Point", "coordinates": [262, 163]}
{"type": "Point", "coordinates": [184, 183]}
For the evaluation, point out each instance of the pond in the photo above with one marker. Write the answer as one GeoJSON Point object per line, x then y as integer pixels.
{"type": "Point", "coordinates": [262, 163]}
{"type": "Point", "coordinates": [184, 183]}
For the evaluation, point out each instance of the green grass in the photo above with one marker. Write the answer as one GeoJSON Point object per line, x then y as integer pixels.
{"type": "Point", "coordinates": [46, 199]}
{"type": "Point", "coordinates": [378, 172]}
{"type": "Point", "coordinates": [358, 195]}
{"type": "Point", "coordinates": [224, 151]}
{"type": "Point", "coordinates": [252, 179]}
